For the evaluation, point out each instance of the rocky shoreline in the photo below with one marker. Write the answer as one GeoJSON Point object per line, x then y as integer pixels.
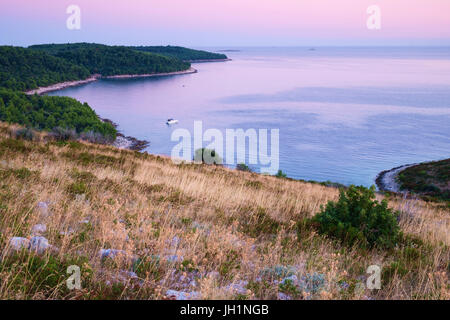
{"type": "Point", "coordinates": [387, 180]}
{"type": "Point", "coordinates": [122, 141]}
{"type": "Point", "coordinates": [208, 60]}
{"type": "Point", "coordinates": [127, 142]}
{"type": "Point", "coordinates": [95, 77]}
{"type": "Point", "coordinates": [63, 85]}
{"type": "Point", "coordinates": [132, 76]}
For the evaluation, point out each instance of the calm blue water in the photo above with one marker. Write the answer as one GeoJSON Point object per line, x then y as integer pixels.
{"type": "Point", "coordinates": [344, 114]}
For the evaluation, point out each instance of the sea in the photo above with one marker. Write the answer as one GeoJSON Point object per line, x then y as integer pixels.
{"type": "Point", "coordinates": [342, 114]}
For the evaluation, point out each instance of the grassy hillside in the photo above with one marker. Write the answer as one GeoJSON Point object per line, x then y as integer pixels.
{"type": "Point", "coordinates": [23, 69]}
{"type": "Point", "coordinates": [431, 180]}
{"type": "Point", "coordinates": [181, 53]}
{"type": "Point", "coordinates": [112, 60]}
{"type": "Point", "coordinates": [205, 231]}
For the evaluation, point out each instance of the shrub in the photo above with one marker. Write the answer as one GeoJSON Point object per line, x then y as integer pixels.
{"type": "Point", "coordinates": [14, 145]}
{"type": "Point", "coordinates": [24, 134]}
{"type": "Point", "coordinates": [243, 167]}
{"type": "Point", "coordinates": [77, 188]}
{"type": "Point", "coordinates": [357, 217]}
{"type": "Point", "coordinates": [96, 137]}
{"type": "Point", "coordinates": [280, 174]}
{"type": "Point", "coordinates": [207, 156]}
{"type": "Point", "coordinates": [63, 134]}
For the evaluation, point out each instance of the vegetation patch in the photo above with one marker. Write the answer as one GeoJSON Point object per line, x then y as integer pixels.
{"type": "Point", "coordinates": [358, 218]}
{"type": "Point", "coordinates": [86, 159]}
{"type": "Point", "coordinates": [259, 223]}
{"type": "Point", "coordinates": [430, 180]}
{"type": "Point", "coordinates": [66, 117]}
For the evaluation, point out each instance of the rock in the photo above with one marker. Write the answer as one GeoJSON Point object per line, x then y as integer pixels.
{"type": "Point", "coordinates": [18, 243]}
{"type": "Point", "coordinates": [115, 253]}
{"type": "Point", "coordinates": [38, 229]}
{"type": "Point", "coordinates": [181, 295]}
{"type": "Point", "coordinates": [283, 296]}
{"type": "Point", "coordinates": [111, 253]}
{"type": "Point", "coordinates": [39, 244]}
{"type": "Point", "coordinates": [279, 272]}
{"type": "Point", "coordinates": [238, 287]}
{"type": "Point", "coordinates": [292, 279]}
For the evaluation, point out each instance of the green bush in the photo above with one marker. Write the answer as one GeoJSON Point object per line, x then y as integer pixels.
{"type": "Point", "coordinates": [207, 156]}
{"type": "Point", "coordinates": [243, 167]}
{"type": "Point", "coordinates": [358, 217]}
{"type": "Point", "coordinates": [25, 134]}
{"type": "Point", "coordinates": [280, 174]}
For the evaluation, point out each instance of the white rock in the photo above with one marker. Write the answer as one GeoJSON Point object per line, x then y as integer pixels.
{"type": "Point", "coordinates": [283, 296]}
{"type": "Point", "coordinates": [111, 253]}
{"type": "Point", "coordinates": [38, 229]}
{"type": "Point", "coordinates": [238, 287]}
{"type": "Point", "coordinates": [18, 243]}
{"type": "Point", "coordinates": [180, 295]}
{"type": "Point", "coordinates": [39, 244]}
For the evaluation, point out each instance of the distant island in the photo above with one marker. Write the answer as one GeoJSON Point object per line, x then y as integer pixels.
{"type": "Point", "coordinates": [26, 73]}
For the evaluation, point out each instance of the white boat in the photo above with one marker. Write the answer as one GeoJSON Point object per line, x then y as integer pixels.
{"type": "Point", "coordinates": [171, 121]}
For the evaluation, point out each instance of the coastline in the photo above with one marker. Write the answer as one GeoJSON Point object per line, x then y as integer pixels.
{"type": "Point", "coordinates": [95, 77]}
{"type": "Point", "coordinates": [62, 85]}
{"type": "Point", "coordinates": [386, 180]}
{"type": "Point", "coordinates": [208, 60]}
{"type": "Point", "coordinates": [165, 74]}
{"type": "Point", "coordinates": [122, 141]}
{"type": "Point", "coordinates": [126, 142]}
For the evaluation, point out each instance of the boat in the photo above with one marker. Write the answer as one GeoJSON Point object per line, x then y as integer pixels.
{"type": "Point", "coordinates": [171, 121]}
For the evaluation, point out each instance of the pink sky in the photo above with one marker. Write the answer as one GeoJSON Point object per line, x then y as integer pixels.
{"type": "Point", "coordinates": [230, 22]}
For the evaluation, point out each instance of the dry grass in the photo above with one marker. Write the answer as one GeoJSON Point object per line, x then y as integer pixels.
{"type": "Point", "coordinates": [190, 228]}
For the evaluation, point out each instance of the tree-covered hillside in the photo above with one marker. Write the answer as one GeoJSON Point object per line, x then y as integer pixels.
{"type": "Point", "coordinates": [47, 113]}
{"type": "Point", "coordinates": [113, 60]}
{"type": "Point", "coordinates": [23, 69]}
{"type": "Point", "coordinates": [181, 53]}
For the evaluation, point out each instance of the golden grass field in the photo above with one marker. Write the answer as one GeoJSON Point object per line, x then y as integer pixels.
{"type": "Point", "coordinates": [208, 231]}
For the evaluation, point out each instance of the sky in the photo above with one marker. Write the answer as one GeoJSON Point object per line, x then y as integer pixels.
{"type": "Point", "coordinates": [203, 23]}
